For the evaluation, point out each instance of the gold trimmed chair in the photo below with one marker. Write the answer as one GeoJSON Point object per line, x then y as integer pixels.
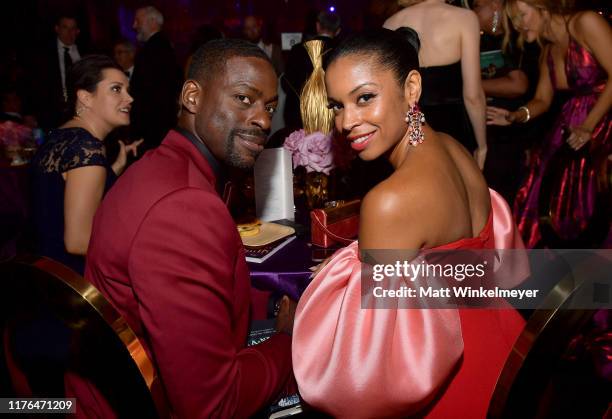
{"type": "Point", "coordinates": [560, 364]}
{"type": "Point", "coordinates": [62, 338]}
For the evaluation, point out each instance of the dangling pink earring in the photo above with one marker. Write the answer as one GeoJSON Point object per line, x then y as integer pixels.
{"type": "Point", "coordinates": [415, 119]}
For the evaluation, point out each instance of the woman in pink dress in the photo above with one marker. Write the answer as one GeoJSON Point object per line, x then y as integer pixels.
{"type": "Point", "coordinates": [355, 362]}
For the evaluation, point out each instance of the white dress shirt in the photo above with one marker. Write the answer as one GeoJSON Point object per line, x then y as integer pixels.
{"type": "Point", "coordinates": [266, 47]}
{"type": "Point", "coordinates": [73, 51]}
{"type": "Point", "coordinates": [129, 72]}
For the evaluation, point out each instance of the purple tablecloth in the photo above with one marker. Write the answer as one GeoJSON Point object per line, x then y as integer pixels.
{"type": "Point", "coordinates": [286, 272]}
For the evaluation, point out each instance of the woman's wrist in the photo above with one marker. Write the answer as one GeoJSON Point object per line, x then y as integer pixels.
{"type": "Point", "coordinates": [525, 113]}
{"type": "Point", "coordinates": [117, 168]}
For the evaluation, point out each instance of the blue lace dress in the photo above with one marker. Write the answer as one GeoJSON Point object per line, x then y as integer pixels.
{"type": "Point", "coordinates": [64, 150]}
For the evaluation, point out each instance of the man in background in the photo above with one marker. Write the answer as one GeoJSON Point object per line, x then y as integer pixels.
{"type": "Point", "coordinates": [299, 66]}
{"type": "Point", "coordinates": [48, 96]}
{"type": "Point", "coordinates": [123, 53]}
{"type": "Point", "coordinates": [252, 31]}
{"type": "Point", "coordinates": [156, 80]}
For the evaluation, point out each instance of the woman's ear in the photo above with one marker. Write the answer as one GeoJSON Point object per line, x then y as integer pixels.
{"type": "Point", "coordinates": [412, 87]}
{"type": "Point", "coordinates": [190, 95]}
{"type": "Point", "coordinates": [84, 98]}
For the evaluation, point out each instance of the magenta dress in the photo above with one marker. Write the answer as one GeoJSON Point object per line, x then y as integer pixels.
{"type": "Point", "coordinates": [567, 189]}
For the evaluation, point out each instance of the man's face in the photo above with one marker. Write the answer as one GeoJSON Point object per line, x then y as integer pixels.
{"type": "Point", "coordinates": [124, 56]}
{"type": "Point", "coordinates": [67, 30]}
{"type": "Point", "coordinates": [252, 29]}
{"type": "Point", "coordinates": [235, 111]}
{"type": "Point", "coordinates": [141, 25]}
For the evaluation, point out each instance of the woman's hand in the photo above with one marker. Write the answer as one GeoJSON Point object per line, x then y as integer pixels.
{"type": "Point", "coordinates": [124, 150]}
{"type": "Point", "coordinates": [286, 315]}
{"type": "Point", "coordinates": [480, 155]}
{"type": "Point", "coordinates": [317, 268]}
{"type": "Point", "coordinates": [499, 116]}
{"type": "Point", "coordinates": [579, 136]}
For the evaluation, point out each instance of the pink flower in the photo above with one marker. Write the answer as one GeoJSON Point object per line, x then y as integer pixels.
{"type": "Point", "coordinates": [313, 151]}
{"type": "Point", "coordinates": [14, 134]}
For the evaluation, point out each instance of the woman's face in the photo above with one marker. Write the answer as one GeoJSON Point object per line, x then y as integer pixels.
{"type": "Point", "coordinates": [111, 101]}
{"type": "Point", "coordinates": [529, 20]}
{"type": "Point", "coordinates": [369, 106]}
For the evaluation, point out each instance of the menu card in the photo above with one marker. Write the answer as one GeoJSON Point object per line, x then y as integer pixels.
{"type": "Point", "coordinates": [274, 185]}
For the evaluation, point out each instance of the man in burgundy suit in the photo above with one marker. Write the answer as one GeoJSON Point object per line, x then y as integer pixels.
{"type": "Point", "coordinates": [166, 252]}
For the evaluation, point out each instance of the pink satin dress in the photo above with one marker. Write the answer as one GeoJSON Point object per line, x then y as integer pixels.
{"type": "Point", "coordinates": [372, 363]}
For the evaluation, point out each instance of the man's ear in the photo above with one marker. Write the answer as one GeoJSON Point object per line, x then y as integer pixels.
{"type": "Point", "coordinates": [412, 87]}
{"type": "Point", "coordinates": [191, 95]}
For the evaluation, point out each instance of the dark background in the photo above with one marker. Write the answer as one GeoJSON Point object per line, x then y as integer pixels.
{"type": "Point", "coordinates": [26, 24]}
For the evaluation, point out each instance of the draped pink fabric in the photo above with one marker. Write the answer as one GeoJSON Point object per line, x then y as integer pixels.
{"type": "Point", "coordinates": [354, 362]}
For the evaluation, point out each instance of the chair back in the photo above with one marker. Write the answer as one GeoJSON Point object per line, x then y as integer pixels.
{"type": "Point", "coordinates": [561, 364]}
{"type": "Point", "coordinates": [62, 338]}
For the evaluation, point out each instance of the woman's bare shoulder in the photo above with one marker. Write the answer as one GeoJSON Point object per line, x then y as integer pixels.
{"type": "Point", "coordinates": [399, 19]}
{"type": "Point", "coordinates": [388, 212]}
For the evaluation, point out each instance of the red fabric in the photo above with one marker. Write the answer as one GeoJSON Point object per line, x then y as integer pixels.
{"type": "Point", "coordinates": [356, 362]}
{"type": "Point", "coordinates": [488, 335]}
{"type": "Point", "coordinates": [165, 251]}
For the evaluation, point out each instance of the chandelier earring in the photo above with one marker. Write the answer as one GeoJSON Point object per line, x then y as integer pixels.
{"type": "Point", "coordinates": [79, 110]}
{"type": "Point", "coordinates": [415, 119]}
{"type": "Point", "coordinates": [495, 23]}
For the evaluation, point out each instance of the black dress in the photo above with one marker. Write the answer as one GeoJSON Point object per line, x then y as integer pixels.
{"type": "Point", "coordinates": [64, 150]}
{"type": "Point", "coordinates": [442, 103]}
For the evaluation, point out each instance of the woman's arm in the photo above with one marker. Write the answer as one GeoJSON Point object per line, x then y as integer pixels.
{"type": "Point", "coordinates": [473, 94]}
{"type": "Point", "coordinates": [512, 85]}
{"type": "Point", "coordinates": [536, 106]}
{"type": "Point", "coordinates": [82, 195]}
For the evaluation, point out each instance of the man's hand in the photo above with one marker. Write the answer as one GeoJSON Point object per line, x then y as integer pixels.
{"type": "Point", "coordinates": [286, 314]}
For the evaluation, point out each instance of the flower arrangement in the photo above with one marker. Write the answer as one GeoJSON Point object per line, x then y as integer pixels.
{"type": "Point", "coordinates": [312, 151]}
{"type": "Point", "coordinates": [14, 139]}
{"type": "Point", "coordinates": [13, 134]}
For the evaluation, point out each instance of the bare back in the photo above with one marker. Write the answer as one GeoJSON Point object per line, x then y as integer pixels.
{"type": "Point", "coordinates": [435, 197]}
{"type": "Point", "coordinates": [440, 28]}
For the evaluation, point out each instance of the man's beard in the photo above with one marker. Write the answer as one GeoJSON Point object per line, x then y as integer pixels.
{"type": "Point", "coordinates": [141, 36]}
{"type": "Point", "coordinates": [234, 158]}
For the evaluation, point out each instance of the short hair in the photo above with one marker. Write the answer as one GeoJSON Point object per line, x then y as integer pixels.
{"type": "Point", "coordinates": [126, 43]}
{"type": "Point", "coordinates": [329, 21]}
{"type": "Point", "coordinates": [394, 50]}
{"type": "Point", "coordinates": [66, 16]}
{"type": "Point", "coordinates": [210, 58]}
{"type": "Point", "coordinates": [85, 74]}
{"type": "Point", "coordinates": [153, 13]}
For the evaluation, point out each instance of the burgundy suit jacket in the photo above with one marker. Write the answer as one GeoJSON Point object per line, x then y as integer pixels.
{"type": "Point", "coordinates": [165, 251]}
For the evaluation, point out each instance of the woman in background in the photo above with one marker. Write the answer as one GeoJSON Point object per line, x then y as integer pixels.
{"type": "Point", "coordinates": [355, 361]}
{"type": "Point", "coordinates": [576, 62]}
{"type": "Point", "coordinates": [70, 172]}
{"type": "Point", "coordinates": [450, 69]}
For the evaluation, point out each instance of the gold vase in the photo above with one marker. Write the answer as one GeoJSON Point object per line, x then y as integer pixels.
{"type": "Point", "coordinates": [317, 189]}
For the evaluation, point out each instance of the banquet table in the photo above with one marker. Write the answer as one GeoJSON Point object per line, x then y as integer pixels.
{"type": "Point", "coordinates": [287, 272]}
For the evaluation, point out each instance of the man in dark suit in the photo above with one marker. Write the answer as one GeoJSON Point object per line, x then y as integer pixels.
{"type": "Point", "coordinates": [166, 252]}
{"type": "Point", "coordinates": [156, 80]}
{"type": "Point", "coordinates": [48, 96]}
{"type": "Point", "coordinates": [299, 67]}
{"type": "Point", "coordinates": [252, 29]}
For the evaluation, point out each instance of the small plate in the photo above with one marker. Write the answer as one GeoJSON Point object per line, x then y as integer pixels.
{"type": "Point", "coordinates": [268, 233]}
